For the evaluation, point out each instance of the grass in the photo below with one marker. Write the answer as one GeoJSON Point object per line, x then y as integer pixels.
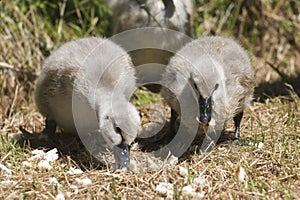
{"type": "Point", "coordinates": [266, 166]}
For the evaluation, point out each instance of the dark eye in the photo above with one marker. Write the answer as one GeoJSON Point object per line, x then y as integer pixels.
{"type": "Point", "coordinates": [117, 129]}
{"type": "Point", "coordinates": [196, 87]}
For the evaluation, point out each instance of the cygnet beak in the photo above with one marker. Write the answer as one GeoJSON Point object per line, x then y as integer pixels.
{"type": "Point", "coordinates": [122, 154]}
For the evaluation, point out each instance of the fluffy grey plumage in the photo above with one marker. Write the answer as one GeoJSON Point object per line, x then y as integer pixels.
{"type": "Point", "coordinates": [88, 82]}
{"type": "Point", "coordinates": [215, 67]}
{"type": "Point", "coordinates": [156, 45]}
{"type": "Point", "coordinates": [172, 14]}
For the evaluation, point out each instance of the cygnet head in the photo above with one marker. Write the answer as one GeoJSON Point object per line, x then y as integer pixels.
{"type": "Point", "coordinates": [119, 124]}
{"type": "Point", "coordinates": [205, 80]}
{"type": "Point", "coordinates": [119, 121]}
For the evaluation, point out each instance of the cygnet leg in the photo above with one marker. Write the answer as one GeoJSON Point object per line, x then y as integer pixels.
{"type": "Point", "coordinates": [237, 121]}
{"type": "Point", "coordinates": [173, 119]}
{"type": "Point", "coordinates": [50, 127]}
{"type": "Point", "coordinates": [122, 154]}
{"type": "Point", "coordinates": [169, 8]}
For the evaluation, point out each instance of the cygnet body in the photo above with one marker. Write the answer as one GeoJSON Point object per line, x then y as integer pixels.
{"type": "Point", "coordinates": [84, 87]}
{"type": "Point", "coordinates": [158, 28]}
{"type": "Point", "coordinates": [219, 71]}
{"type": "Point", "coordinates": [171, 14]}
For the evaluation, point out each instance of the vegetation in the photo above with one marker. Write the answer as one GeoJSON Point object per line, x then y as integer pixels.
{"type": "Point", "coordinates": [266, 166]}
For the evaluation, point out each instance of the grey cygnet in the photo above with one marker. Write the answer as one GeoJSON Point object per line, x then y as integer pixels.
{"type": "Point", "coordinates": [85, 86]}
{"type": "Point", "coordinates": [171, 14]}
{"type": "Point", "coordinates": [151, 43]}
{"type": "Point", "coordinates": [219, 71]}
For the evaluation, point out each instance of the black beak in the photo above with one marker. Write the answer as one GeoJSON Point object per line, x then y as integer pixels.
{"type": "Point", "coordinates": [205, 110]}
{"type": "Point", "coordinates": [205, 104]}
{"type": "Point", "coordinates": [122, 154]}
{"type": "Point", "coordinates": [205, 119]}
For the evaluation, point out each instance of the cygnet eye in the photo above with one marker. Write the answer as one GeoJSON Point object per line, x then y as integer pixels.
{"type": "Point", "coordinates": [196, 87]}
{"type": "Point", "coordinates": [117, 129]}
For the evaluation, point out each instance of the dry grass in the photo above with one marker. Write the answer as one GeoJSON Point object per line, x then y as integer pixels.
{"type": "Point", "coordinates": [268, 29]}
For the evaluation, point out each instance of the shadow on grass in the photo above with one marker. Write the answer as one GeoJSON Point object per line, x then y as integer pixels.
{"type": "Point", "coordinates": [75, 150]}
{"type": "Point", "coordinates": [277, 88]}
{"type": "Point", "coordinates": [164, 137]}
{"type": "Point", "coordinates": [69, 147]}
